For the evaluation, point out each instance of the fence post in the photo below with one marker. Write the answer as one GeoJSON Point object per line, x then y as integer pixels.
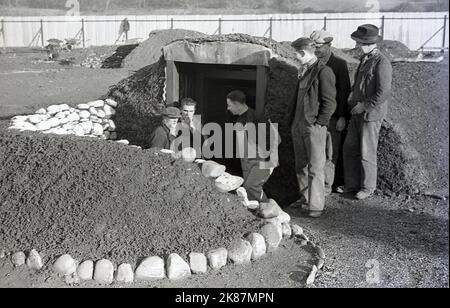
{"type": "Point", "coordinates": [325, 23]}
{"type": "Point", "coordinates": [270, 27]}
{"type": "Point", "coordinates": [82, 33]}
{"type": "Point", "coordinates": [171, 23]}
{"type": "Point", "coordinates": [220, 26]}
{"type": "Point", "coordinates": [444, 33]}
{"type": "Point", "coordinates": [42, 33]}
{"type": "Point", "coordinates": [382, 27]}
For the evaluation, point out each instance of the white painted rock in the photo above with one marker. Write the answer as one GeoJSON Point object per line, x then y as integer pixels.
{"type": "Point", "coordinates": [78, 130]}
{"type": "Point", "coordinates": [198, 263]}
{"type": "Point", "coordinates": [85, 270]}
{"type": "Point", "coordinates": [73, 117]}
{"type": "Point", "coordinates": [296, 230]}
{"type": "Point", "coordinates": [101, 113]}
{"type": "Point", "coordinates": [97, 104]}
{"type": "Point", "coordinates": [18, 258]}
{"type": "Point", "coordinates": [41, 111]}
{"type": "Point", "coordinates": [104, 272]}
{"type": "Point", "coordinates": [286, 230]}
{"type": "Point", "coordinates": [269, 209]}
{"type": "Point", "coordinates": [36, 118]}
{"type": "Point", "coordinates": [272, 236]}
{"type": "Point", "coordinates": [177, 268]}
{"type": "Point", "coordinates": [94, 119]}
{"type": "Point", "coordinates": [240, 251]}
{"type": "Point", "coordinates": [87, 127]}
{"type": "Point", "coordinates": [53, 109]}
{"type": "Point", "coordinates": [84, 114]}
{"type": "Point", "coordinates": [97, 129]}
{"type": "Point", "coordinates": [111, 102]}
{"type": "Point", "coordinates": [149, 269]}
{"type": "Point", "coordinates": [125, 273]}
{"type": "Point", "coordinates": [65, 265]}
{"type": "Point", "coordinates": [253, 204]}
{"type": "Point", "coordinates": [282, 218]}
{"type": "Point", "coordinates": [123, 141]}
{"type": "Point", "coordinates": [60, 115]}
{"type": "Point", "coordinates": [64, 121]}
{"type": "Point", "coordinates": [211, 169]}
{"type": "Point", "coordinates": [19, 118]}
{"type": "Point", "coordinates": [258, 245]}
{"type": "Point", "coordinates": [242, 193]}
{"type": "Point", "coordinates": [25, 126]}
{"type": "Point", "coordinates": [93, 111]}
{"type": "Point", "coordinates": [112, 125]}
{"type": "Point", "coordinates": [44, 125]}
{"type": "Point", "coordinates": [109, 110]}
{"type": "Point", "coordinates": [53, 122]}
{"type": "Point", "coordinates": [34, 260]}
{"type": "Point", "coordinates": [188, 154]}
{"type": "Point", "coordinates": [83, 106]}
{"type": "Point", "coordinates": [217, 258]}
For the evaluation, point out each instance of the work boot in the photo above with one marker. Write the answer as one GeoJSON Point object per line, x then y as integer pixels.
{"type": "Point", "coordinates": [315, 214]}
{"type": "Point", "coordinates": [363, 194]}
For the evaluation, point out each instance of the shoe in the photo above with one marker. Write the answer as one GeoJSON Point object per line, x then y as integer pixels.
{"type": "Point", "coordinates": [315, 214]}
{"type": "Point", "coordinates": [363, 194]}
{"type": "Point", "coordinates": [343, 190]}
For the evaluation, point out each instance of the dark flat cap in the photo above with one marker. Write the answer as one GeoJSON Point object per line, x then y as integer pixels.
{"type": "Point", "coordinates": [172, 112]}
{"type": "Point", "coordinates": [302, 42]}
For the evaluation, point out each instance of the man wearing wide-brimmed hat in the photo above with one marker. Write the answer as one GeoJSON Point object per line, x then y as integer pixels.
{"type": "Point", "coordinates": [309, 115]}
{"type": "Point", "coordinates": [165, 133]}
{"type": "Point", "coordinates": [334, 170]}
{"type": "Point", "coordinates": [368, 103]}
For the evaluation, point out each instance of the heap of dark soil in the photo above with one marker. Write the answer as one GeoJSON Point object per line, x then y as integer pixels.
{"type": "Point", "coordinates": [94, 199]}
{"type": "Point", "coordinates": [116, 59]}
{"type": "Point", "coordinates": [149, 51]}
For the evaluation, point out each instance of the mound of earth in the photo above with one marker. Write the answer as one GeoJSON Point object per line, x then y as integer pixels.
{"type": "Point", "coordinates": [96, 199]}
{"type": "Point", "coordinates": [149, 51]}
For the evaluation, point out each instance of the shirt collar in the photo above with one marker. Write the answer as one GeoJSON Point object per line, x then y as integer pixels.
{"type": "Point", "coordinates": [369, 55]}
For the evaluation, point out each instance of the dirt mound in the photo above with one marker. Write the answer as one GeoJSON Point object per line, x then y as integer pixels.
{"type": "Point", "coordinates": [149, 51]}
{"type": "Point", "coordinates": [96, 199]}
{"type": "Point", "coordinates": [116, 59]}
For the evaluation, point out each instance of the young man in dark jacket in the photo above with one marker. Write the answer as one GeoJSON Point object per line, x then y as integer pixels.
{"type": "Point", "coordinates": [165, 133]}
{"type": "Point", "coordinates": [334, 171]}
{"type": "Point", "coordinates": [368, 104]}
{"type": "Point", "coordinates": [310, 113]}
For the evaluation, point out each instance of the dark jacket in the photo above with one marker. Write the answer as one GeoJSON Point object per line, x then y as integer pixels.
{"type": "Point", "coordinates": [373, 86]}
{"type": "Point", "coordinates": [343, 85]}
{"type": "Point", "coordinates": [318, 93]}
{"type": "Point", "coordinates": [161, 137]}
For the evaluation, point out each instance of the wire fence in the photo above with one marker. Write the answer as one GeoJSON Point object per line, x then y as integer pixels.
{"type": "Point", "coordinates": [416, 30]}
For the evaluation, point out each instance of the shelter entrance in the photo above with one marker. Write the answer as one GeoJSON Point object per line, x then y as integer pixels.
{"type": "Point", "coordinates": [208, 85]}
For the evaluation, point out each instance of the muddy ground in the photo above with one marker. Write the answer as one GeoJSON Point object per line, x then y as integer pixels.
{"type": "Point", "coordinates": [406, 238]}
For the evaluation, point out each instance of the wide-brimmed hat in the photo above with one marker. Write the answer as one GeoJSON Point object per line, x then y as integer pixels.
{"type": "Point", "coordinates": [367, 34]}
{"type": "Point", "coordinates": [172, 112]}
{"type": "Point", "coordinates": [302, 42]}
{"type": "Point", "coordinates": [321, 37]}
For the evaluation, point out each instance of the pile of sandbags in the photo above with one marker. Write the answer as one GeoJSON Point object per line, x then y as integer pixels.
{"type": "Point", "coordinates": [92, 119]}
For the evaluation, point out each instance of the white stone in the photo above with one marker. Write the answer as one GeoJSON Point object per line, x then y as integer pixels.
{"type": "Point", "coordinates": [272, 236]}
{"type": "Point", "coordinates": [78, 130]}
{"type": "Point", "coordinates": [65, 265]}
{"type": "Point", "coordinates": [41, 111]}
{"type": "Point", "coordinates": [97, 129]}
{"type": "Point", "coordinates": [112, 125]}
{"type": "Point", "coordinates": [64, 121]}
{"type": "Point", "coordinates": [177, 268]}
{"type": "Point", "coordinates": [188, 154]}
{"type": "Point", "coordinates": [34, 260]}
{"type": "Point", "coordinates": [111, 102]}
{"type": "Point", "coordinates": [198, 263]}
{"type": "Point", "coordinates": [105, 126]}
{"type": "Point", "coordinates": [64, 107]}
{"type": "Point", "coordinates": [150, 268]}
{"type": "Point", "coordinates": [125, 273]}
{"type": "Point", "coordinates": [240, 251]}
{"type": "Point", "coordinates": [217, 258]}
{"type": "Point", "coordinates": [84, 114]}
{"type": "Point", "coordinates": [44, 125]}
{"type": "Point", "coordinates": [286, 230]}
{"type": "Point", "coordinates": [53, 109]}
{"type": "Point", "coordinates": [53, 122]}
{"type": "Point", "coordinates": [85, 270]}
{"type": "Point", "coordinates": [123, 141]}
{"type": "Point", "coordinates": [26, 126]}
{"type": "Point", "coordinates": [60, 115]}
{"type": "Point", "coordinates": [93, 111]}
{"type": "Point", "coordinates": [269, 209]}
{"type": "Point", "coordinates": [296, 230]}
{"type": "Point", "coordinates": [312, 276]}
{"type": "Point", "coordinates": [83, 106]}
{"type": "Point", "coordinates": [87, 127]}
{"type": "Point", "coordinates": [97, 103]}
{"type": "Point", "coordinates": [104, 272]}
{"type": "Point", "coordinates": [19, 118]}
{"type": "Point", "coordinates": [18, 258]}
{"type": "Point", "coordinates": [73, 117]}
{"type": "Point", "coordinates": [101, 113]}
{"type": "Point", "coordinates": [258, 245]}
{"type": "Point", "coordinates": [109, 110]}
{"type": "Point", "coordinates": [36, 118]}
{"type": "Point", "coordinates": [253, 204]}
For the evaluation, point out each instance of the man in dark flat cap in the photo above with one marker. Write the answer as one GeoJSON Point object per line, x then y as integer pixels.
{"type": "Point", "coordinates": [334, 170]}
{"type": "Point", "coordinates": [368, 103]}
{"type": "Point", "coordinates": [309, 115]}
{"type": "Point", "coordinates": [166, 131]}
